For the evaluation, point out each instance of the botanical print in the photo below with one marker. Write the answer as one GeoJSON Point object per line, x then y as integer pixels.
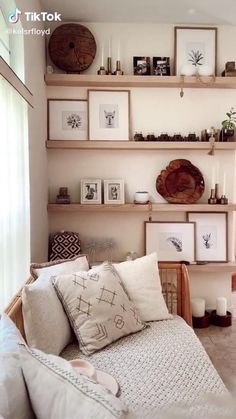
{"type": "Point", "coordinates": [72, 120]}
{"type": "Point", "coordinates": [91, 191]}
{"type": "Point", "coordinates": [171, 242]}
{"type": "Point", "coordinates": [114, 192]}
{"type": "Point", "coordinates": [108, 116]}
{"type": "Point", "coordinates": [195, 53]}
{"type": "Point", "coordinates": [208, 237]}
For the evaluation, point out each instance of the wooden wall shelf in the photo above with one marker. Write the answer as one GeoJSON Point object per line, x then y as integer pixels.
{"type": "Point", "coordinates": [219, 267]}
{"type": "Point", "coordinates": [87, 80]}
{"type": "Point", "coordinates": [137, 145]}
{"type": "Point", "coordinates": [139, 208]}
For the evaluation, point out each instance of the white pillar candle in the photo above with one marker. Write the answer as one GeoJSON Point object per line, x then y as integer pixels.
{"type": "Point", "coordinates": [221, 306]}
{"type": "Point", "coordinates": [198, 307]}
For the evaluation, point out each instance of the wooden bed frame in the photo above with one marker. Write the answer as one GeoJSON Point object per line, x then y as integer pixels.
{"type": "Point", "coordinates": [175, 286]}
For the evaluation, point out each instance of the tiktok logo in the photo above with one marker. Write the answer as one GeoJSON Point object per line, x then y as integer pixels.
{"type": "Point", "coordinates": [15, 16]}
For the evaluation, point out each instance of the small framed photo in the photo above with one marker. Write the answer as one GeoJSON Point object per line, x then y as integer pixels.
{"type": "Point", "coordinates": [161, 66]}
{"type": "Point", "coordinates": [195, 46]}
{"type": "Point", "coordinates": [211, 235]}
{"type": "Point", "coordinates": [173, 242]}
{"type": "Point", "coordinates": [114, 191]}
{"type": "Point", "coordinates": [91, 191]}
{"type": "Point", "coordinates": [142, 66]}
{"type": "Point", "coordinates": [109, 115]}
{"type": "Point", "coordinates": [67, 119]}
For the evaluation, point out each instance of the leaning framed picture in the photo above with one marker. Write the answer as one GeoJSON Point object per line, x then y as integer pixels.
{"type": "Point", "coordinates": [195, 46]}
{"type": "Point", "coordinates": [91, 191]}
{"type": "Point", "coordinates": [211, 235]}
{"type": "Point", "coordinates": [67, 119]}
{"type": "Point", "coordinates": [109, 114]}
{"type": "Point", "coordinates": [114, 191]}
{"type": "Point", "coordinates": [172, 241]}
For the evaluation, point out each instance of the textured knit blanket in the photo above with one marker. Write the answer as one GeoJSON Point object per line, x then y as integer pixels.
{"type": "Point", "coordinates": [163, 372]}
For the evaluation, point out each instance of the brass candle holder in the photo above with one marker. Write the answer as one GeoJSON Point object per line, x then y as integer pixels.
{"type": "Point", "coordinates": [102, 71]}
{"type": "Point", "coordinates": [224, 200]}
{"type": "Point", "coordinates": [212, 200]}
{"type": "Point", "coordinates": [118, 71]}
{"type": "Point", "coordinates": [109, 69]}
{"type": "Point", "coordinates": [217, 193]}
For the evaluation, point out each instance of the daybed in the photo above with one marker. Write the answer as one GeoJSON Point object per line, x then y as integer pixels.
{"type": "Point", "coordinates": [163, 371]}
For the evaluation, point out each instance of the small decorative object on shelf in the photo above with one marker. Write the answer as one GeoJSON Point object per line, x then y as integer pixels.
{"type": "Point", "coordinates": [63, 197]}
{"type": "Point", "coordinates": [118, 71]}
{"type": "Point", "coordinates": [138, 136]}
{"type": "Point", "coordinates": [228, 126]}
{"type": "Point", "coordinates": [151, 137]}
{"type": "Point", "coordinates": [142, 66]}
{"type": "Point", "coordinates": [109, 67]}
{"type": "Point", "coordinates": [224, 200]}
{"type": "Point", "coordinates": [217, 193]}
{"type": "Point", "coordinates": [161, 66]}
{"type": "Point", "coordinates": [166, 137]}
{"type": "Point", "coordinates": [141, 197]}
{"type": "Point", "coordinates": [212, 200]}
{"type": "Point", "coordinates": [102, 71]}
{"type": "Point", "coordinates": [230, 70]}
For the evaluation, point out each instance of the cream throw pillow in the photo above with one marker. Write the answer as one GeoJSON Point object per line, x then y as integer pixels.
{"type": "Point", "coordinates": [142, 282]}
{"type": "Point", "coordinates": [46, 325]}
{"type": "Point", "coordinates": [59, 267]}
{"type": "Point", "coordinates": [98, 307]}
{"type": "Point", "coordinates": [58, 392]}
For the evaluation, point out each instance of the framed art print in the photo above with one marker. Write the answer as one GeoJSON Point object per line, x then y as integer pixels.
{"type": "Point", "coordinates": [142, 66]}
{"type": "Point", "coordinates": [161, 66]}
{"type": "Point", "coordinates": [114, 192]}
{"type": "Point", "coordinates": [211, 235]}
{"type": "Point", "coordinates": [109, 115]}
{"type": "Point", "coordinates": [67, 119]}
{"type": "Point", "coordinates": [195, 46]}
{"type": "Point", "coordinates": [91, 191]}
{"type": "Point", "coordinates": [172, 241]}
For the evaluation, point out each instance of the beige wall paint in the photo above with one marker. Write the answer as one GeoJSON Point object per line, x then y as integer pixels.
{"type": "Point", "coordinates": [152, 110]}
{"type": "Point", "coordinates": [34, 78]}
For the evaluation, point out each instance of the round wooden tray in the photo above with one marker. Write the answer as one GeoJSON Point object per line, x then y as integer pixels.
{"type": "Point", "coordinates": [72, 47]}
{"type": "Point", "coordinates": [180, 183]}
{"type": "Point", "coordinates": [201, 322]}
{"type": "Point", "coordinates": [222, 321]}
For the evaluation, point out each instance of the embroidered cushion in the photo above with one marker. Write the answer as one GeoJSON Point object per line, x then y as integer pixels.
{"type": "Point", "coordinates": [45, 321]}
{"type": "Point", "coordinates": [14, 401]}
{"type": "Point", "coordinates": [98, 307]}
{"type": "Point", "coordinates": [58, 392]}
{"type": "Point", "coordinates": [142, 282]}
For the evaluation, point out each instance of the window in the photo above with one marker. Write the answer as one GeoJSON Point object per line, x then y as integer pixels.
{"type": "Point", "coordinates": [14, 174]}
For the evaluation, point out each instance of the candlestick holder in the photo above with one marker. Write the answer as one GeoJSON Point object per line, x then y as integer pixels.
{"type": "Point", "coordinates": [212, 200]}
{"type": "Point", "coordinates": [109, 70]}
{"type": "Point", "coordinates": [223, 200]}
{"type": "Point", "coordinates": [118, 71]}
{"type": "Point", "coordinates": [217, 193]}
{"type": "Point", "coordinates": [102, 71]}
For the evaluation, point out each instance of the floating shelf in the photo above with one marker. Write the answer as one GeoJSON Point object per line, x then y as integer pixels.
{"type": "Point", "coordinates": [213, 267]}
{"type": "Point", "coordinates": [139, 208]}
{"type": "Point", "coordinates": [90, 80]}
{"type": "Point", "coordinates": [137, 145]}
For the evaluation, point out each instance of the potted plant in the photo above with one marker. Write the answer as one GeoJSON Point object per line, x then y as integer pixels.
{"type": "Point", "coordinates": [228, 125]}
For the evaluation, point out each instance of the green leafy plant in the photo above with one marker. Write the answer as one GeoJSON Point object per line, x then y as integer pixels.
{"type": "Point", "coordinates": [230, 122]}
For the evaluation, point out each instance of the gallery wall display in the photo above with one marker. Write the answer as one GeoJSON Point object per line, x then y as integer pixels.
{"type": "Point", "coordinates": [173, 241]}
{"type": "Point", "coordinates": [195, 47]}
{"type": "Point", "coordinates": [67, 119]}
{"type": "Point", "coordinates": [109, 114]}
{"type": "Point", "coordinates": [211, 236]}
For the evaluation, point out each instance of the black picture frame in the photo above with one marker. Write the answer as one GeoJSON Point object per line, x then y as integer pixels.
{"type": "Point", "coordinates": [142, 66]}
{"type": "Point", "coordinates": [161, 66]}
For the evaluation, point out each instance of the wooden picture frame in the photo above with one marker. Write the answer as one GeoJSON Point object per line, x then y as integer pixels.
{"type": "Point", "coordinates": [195, 44]}
{"type": "Point", "coordinates": [109, 115]}
{"type": "Point", "coordinates": [172, 241]}
{"type": "Point", "coordinates": [114, 191]}
{"type": "Point", "coordinates": [91, 191]}
{"type": "Point", "coordinates": [211, 235]}
{"type": "Point", "coordinates": [67, 119]}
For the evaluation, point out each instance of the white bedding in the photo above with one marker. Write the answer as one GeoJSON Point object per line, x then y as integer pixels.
{"type": "Point", "coordinates": [160, 366]}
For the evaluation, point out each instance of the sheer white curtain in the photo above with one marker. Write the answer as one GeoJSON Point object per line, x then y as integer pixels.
{"type": "Point", "coordinates": [14, 192]}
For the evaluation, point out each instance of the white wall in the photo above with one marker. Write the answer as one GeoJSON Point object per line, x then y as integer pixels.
{"type": "Point", "coordinates": [34, 79]}
{"type": "Point", "coordinates": [152, 110]}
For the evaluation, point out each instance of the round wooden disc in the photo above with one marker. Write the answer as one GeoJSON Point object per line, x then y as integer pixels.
{"type": "Point", "coordinates": [72, 47]}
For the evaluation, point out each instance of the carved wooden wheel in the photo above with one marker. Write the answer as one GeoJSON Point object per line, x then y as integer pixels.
{"type": "Point", "coordinates": [72, 47]}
